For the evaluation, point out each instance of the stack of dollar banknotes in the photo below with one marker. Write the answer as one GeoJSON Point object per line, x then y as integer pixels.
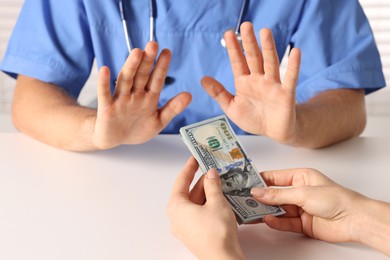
{"type": "Point", "coordinates": [215, 146]}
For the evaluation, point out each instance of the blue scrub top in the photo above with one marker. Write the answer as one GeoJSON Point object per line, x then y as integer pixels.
{"type": "Point", "coordinates": [57, 41]}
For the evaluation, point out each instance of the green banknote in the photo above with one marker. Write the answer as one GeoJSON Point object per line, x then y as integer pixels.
{"type": "Point", "coordinates": [215, 145]}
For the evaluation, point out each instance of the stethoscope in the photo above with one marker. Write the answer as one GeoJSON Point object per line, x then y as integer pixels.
{"type": "Point", "coordinates": [151, 27]}
{"type": "Point", "coordinates": [124, 23]}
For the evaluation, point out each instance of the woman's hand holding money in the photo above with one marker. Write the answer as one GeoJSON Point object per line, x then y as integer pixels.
{"type": "Point", "coordinates": [322, 209]}
{"type": "Point", "coordinates": [208, 229]}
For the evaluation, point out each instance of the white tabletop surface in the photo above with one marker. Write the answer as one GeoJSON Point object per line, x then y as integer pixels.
{"type": "Point", "coordinates": [111, 205]}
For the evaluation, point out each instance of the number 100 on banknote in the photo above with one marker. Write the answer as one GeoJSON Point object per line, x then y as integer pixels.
{"type": "Point", "coordinates": [215, 146]}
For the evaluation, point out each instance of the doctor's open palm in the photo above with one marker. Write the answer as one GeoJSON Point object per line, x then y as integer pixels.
{"type": "Point", "coordinates": [132, 115]}
{"type": "Point", "coordinates": [262, 104]}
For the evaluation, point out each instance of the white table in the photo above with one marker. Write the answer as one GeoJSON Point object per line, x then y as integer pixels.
{"type": "Point", "coordinates": [111, 205]}
{"type": "Point", "coordinates": [6, 125]}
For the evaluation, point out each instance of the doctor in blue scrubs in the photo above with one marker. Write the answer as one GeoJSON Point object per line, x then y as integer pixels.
{"type": "Point", "coordinates": [162, 66]}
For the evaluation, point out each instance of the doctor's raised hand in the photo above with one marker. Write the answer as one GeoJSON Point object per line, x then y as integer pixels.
{"type": "Point", "coordinates": [132, 115]}
{"type": "Point", "coordinates": [263, 104]}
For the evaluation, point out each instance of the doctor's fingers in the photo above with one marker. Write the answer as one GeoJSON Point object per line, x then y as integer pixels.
{"type": "Point", "coordinates": [254, 58]}
{"type": "Point", "coordinates": [157, 77]}
{"type": "Point", "coordinates": [292, 73]}
{"type": "Point", "coordinates": [236, 56]}
{"type": "Point", "coordinates": [146, 65]}
{"type": "Point", "coordinates": [173, 107]}
{"type": "Point", "coordinates": [270, 55]}
{"type": "Point", "coordinates": [217, 91]}
{"type": "Point", "coordinates": [103, 91]}
{"type": "Point", "coordinates": [126, 76]}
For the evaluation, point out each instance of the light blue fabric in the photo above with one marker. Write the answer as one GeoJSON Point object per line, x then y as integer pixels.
{"type": "Point", "coordinates": [56, 42]}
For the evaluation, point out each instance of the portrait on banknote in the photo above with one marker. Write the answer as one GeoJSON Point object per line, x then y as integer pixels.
{"type": "Point", "coordinates": [238, 182]}
{"type": "Point", "coordinates": [214, 145]}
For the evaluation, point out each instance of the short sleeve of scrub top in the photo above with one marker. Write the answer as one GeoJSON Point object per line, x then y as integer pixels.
{"type": "Point", "coordinates": [338, 49]}
{"type": "Point", "coordinates": [51, 42]}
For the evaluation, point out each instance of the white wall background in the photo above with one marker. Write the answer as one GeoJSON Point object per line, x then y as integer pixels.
{"type": "Point", "coordinates": [378, 12]}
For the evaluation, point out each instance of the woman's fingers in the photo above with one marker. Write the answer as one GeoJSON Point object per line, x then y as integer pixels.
{"type": "Point", "coordinates": [284, 224]}
{"type": "Point", "coordinates": [197, 194]}
{"type": "Point", "coordinates": [182, 184]}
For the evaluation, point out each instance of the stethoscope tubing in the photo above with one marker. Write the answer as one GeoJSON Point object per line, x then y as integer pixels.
{"type": "Point", "coordinates": [152, 12]}
{"type": "Point", "coordinates": [239, 20]}
{"type": "Point", "coordinates": [124, 23]}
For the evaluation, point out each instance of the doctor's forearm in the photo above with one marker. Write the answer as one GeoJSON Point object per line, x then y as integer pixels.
{"type": "Point", "coordinates": [48, 114]}
{"type": "Point", "coordinates": [330, 117]}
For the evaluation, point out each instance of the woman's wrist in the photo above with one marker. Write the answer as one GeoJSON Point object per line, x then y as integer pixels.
{"type": "Point", "coordinates": [234, 250]}
{"type": "Point", "coordinates": [371, 224]}
{"type": "Point", "coordinates": [228, 249]}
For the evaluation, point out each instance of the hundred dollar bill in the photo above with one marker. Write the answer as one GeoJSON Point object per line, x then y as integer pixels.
{"type": "Point", "coordinates": [215, 145]}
